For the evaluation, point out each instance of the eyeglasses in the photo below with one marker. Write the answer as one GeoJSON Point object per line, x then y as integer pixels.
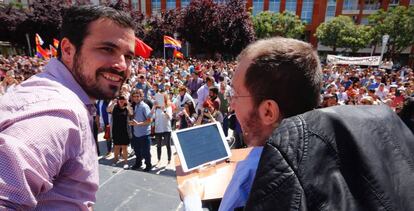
{"type": "Point", "coordinates": [232, 96]}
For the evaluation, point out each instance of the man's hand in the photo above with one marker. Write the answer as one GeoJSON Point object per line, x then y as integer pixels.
{"type": "Point", "coordinates": [133, 123]}
{"type": "Point", "coordinates": [191, 187]}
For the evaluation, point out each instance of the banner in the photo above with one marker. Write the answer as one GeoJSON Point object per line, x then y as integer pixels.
{"type": "Point", "coordinates": [368, 61]}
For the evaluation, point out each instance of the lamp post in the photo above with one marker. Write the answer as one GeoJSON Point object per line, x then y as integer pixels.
{"type": "Point", "coordinates": [385, 39]}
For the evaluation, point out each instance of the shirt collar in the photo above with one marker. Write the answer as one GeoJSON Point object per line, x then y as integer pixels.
{"type": "Point", "coordinates": [60, 73]}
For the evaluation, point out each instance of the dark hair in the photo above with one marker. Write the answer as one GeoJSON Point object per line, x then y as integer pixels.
{"type": "Point", "coordinates": [214, 90]}
{"type": "Point", "coordinates": [190, 107]}
{"type": "Point", "coordinates": [76, 21]}
{"type": "Point", "coordinates": [282, 66]}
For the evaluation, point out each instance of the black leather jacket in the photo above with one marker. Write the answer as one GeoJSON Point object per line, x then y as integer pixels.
{"type": "Point", "coordinates": [337, 158]}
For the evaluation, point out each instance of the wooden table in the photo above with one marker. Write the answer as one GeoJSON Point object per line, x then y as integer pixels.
{"type": "Point", "coordinates": [214, 178]}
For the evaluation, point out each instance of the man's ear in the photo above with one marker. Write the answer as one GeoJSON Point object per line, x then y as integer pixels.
{"type": "Point", "coordinates": [269, 112]}
{"type": "Point", "coordinates": [68, 52]}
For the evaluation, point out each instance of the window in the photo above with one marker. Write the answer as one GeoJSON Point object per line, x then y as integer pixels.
{"type": "Point", "coordinates": [364, 21]}
{"type": "Point", "coordinates": [330, 10]}
{"type": "Point", "coordinates": [257, 6]}
{"type": "Point", "coordinates": [291, 6]}
{"type": "Point", "coordinates": [350, 5]}
{"type": "Point", "coordinates": [170, 4]}
{"type": "Point", "coordinates": [134, 4]}
{"type": "Point", "coordinates": [274, 6]}
{"type": "Point", "coordinates": [220, 1]}
{"type": "Point", "coordinates": [156, 6]}
{"type": "Point", "coordinates": [307, 11]}
{"type": "Point", "coordinates": [372, 4]}
{"type": "Point", "coordinates": [395, 2]}
{"type": "Point", "coordinates": [184, 3]}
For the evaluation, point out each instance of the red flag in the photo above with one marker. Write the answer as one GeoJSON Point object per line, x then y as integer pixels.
{"type": "Point", "coordinates": [142, 49]}
{"type": "Point", "coordinates": [178, 54]}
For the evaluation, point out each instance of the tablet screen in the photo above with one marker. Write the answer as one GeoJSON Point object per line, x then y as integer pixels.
{"type": "Point", "coordinates": [201, 145]}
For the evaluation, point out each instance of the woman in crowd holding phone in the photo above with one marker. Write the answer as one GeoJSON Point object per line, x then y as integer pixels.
{"type": "Point", "coordinates": [121, 111]}
{"type": "Point", "coordinates": [210, 113]}
{"type": "Point", "coordinates": [188, 116]}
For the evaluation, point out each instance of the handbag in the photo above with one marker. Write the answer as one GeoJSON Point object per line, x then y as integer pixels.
{"type": "Point", "coordinates": [107, 134]}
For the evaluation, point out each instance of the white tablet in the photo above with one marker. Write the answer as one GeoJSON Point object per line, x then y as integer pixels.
{"type": "Point", "coordinates": [201, 145]}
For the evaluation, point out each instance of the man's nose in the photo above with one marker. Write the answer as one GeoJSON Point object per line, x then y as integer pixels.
{"type": "Point", "coordinates": [120, 63]}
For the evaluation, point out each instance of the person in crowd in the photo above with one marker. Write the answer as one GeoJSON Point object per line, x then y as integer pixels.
{"type": "Point", "coordinates": [143, 84]}
{"type": "Point", "coordinates": [223, 96]}
{"type": "Point", "coordinates": [182, 99]}
{"type": "Point", "coordinates": [329, 100]}
{"type": "Point", "coordinates": [381, 92]}
{"type": "Point", "coordinates": [103, 120]}
{"type": "Point", "coordinates": [162, 115]}
{"type": "Point", "coordinates": [203, 93]}
{"type": "Point", "coordinates": [286, 177]}
{"type": "Point", "coordinates": [407, 113]}
{"type": "Point", "coordinates": [8, 83]}
{"type": "Point", "coordinates": [213, 95]}
{"type": "Point", "coordinates": [210, 113]}
{"type": "Point", "coordinates": [121, 110]}
{"type": "Point", "coordinates": [141, 142]}
{"type": "Point", "coordinates": [188, 116]}
{"type": "Point", "coordinates": [46, 139]}
{"type": "Point", "coordinates": [194, 83]}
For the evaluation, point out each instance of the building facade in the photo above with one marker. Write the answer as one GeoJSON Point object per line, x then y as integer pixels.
{"type": "Point", "coordinates": [312, 12]}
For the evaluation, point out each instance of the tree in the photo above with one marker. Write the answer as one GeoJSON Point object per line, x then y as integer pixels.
{"type": "Point", "coordinates": [137, 17]}
{"type": "Point", "coordinates": [217, 28]}
{"type": "Point", "coordinates": [398, 23]}
{"type": "Point", "coordinates": [236, 27]}
{"type": "Point", "coordinates": [286, 24]}
{"type": "Point", "coordinates": [263, 24]}
{"type": "Point", "coordinates": [333, 32]}
{"type": "Point", "coordinates": [11, 16]}
{"type": "Point", "coordinates": [357, 37]}
{"type": "Point", "coordinates": [44, 18]}
{"type": "Point", "coordinates": [200, 26]}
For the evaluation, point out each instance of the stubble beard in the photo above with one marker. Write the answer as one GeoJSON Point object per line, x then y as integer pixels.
{"type": "Point", "coordinates": [91, 85]}
{"type": "Point", "coordinates": [253, 133]}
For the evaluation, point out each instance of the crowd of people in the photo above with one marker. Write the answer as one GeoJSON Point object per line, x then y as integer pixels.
{"type": "Point", "coordinates": [184, 93]}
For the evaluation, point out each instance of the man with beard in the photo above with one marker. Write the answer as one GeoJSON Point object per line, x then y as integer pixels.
{"type": "Point", "coordinates": [266, 70]}
{"type": "Point", "coordinates": [48, 153]}
{"type": "Point", "coordinates": [336, 158]}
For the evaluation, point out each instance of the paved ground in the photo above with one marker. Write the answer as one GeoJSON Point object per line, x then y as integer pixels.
{"type": "Point", "coordinates": [136, 190]}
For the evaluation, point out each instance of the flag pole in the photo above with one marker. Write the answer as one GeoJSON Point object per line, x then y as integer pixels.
{"type": "Point", "coordinates": [164, 52]}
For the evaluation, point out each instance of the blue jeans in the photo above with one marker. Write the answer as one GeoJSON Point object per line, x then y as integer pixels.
{"type": "Point", "coordinates": [142, 146]}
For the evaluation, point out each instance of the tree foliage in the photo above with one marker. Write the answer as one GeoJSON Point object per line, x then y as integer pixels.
{"type": "Point", "coordinates": [236, 26]}
{"type": "Point", "coordinates": [200, 25]}
{"type": "Point", "coordinates": [342, 32]}
{"type": "Point", "coordinates": [44, 18]}
{"type": "Point", "coordinates": [216, 28]}
{"type": "Point", "coordinates": [11, 16]}
{"type": "Point", "coordinates": [286, 24]}
{"type": "Point", "coordinates": [398, 23]}
{"type": "Point", "coordinates": [210, 27]}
